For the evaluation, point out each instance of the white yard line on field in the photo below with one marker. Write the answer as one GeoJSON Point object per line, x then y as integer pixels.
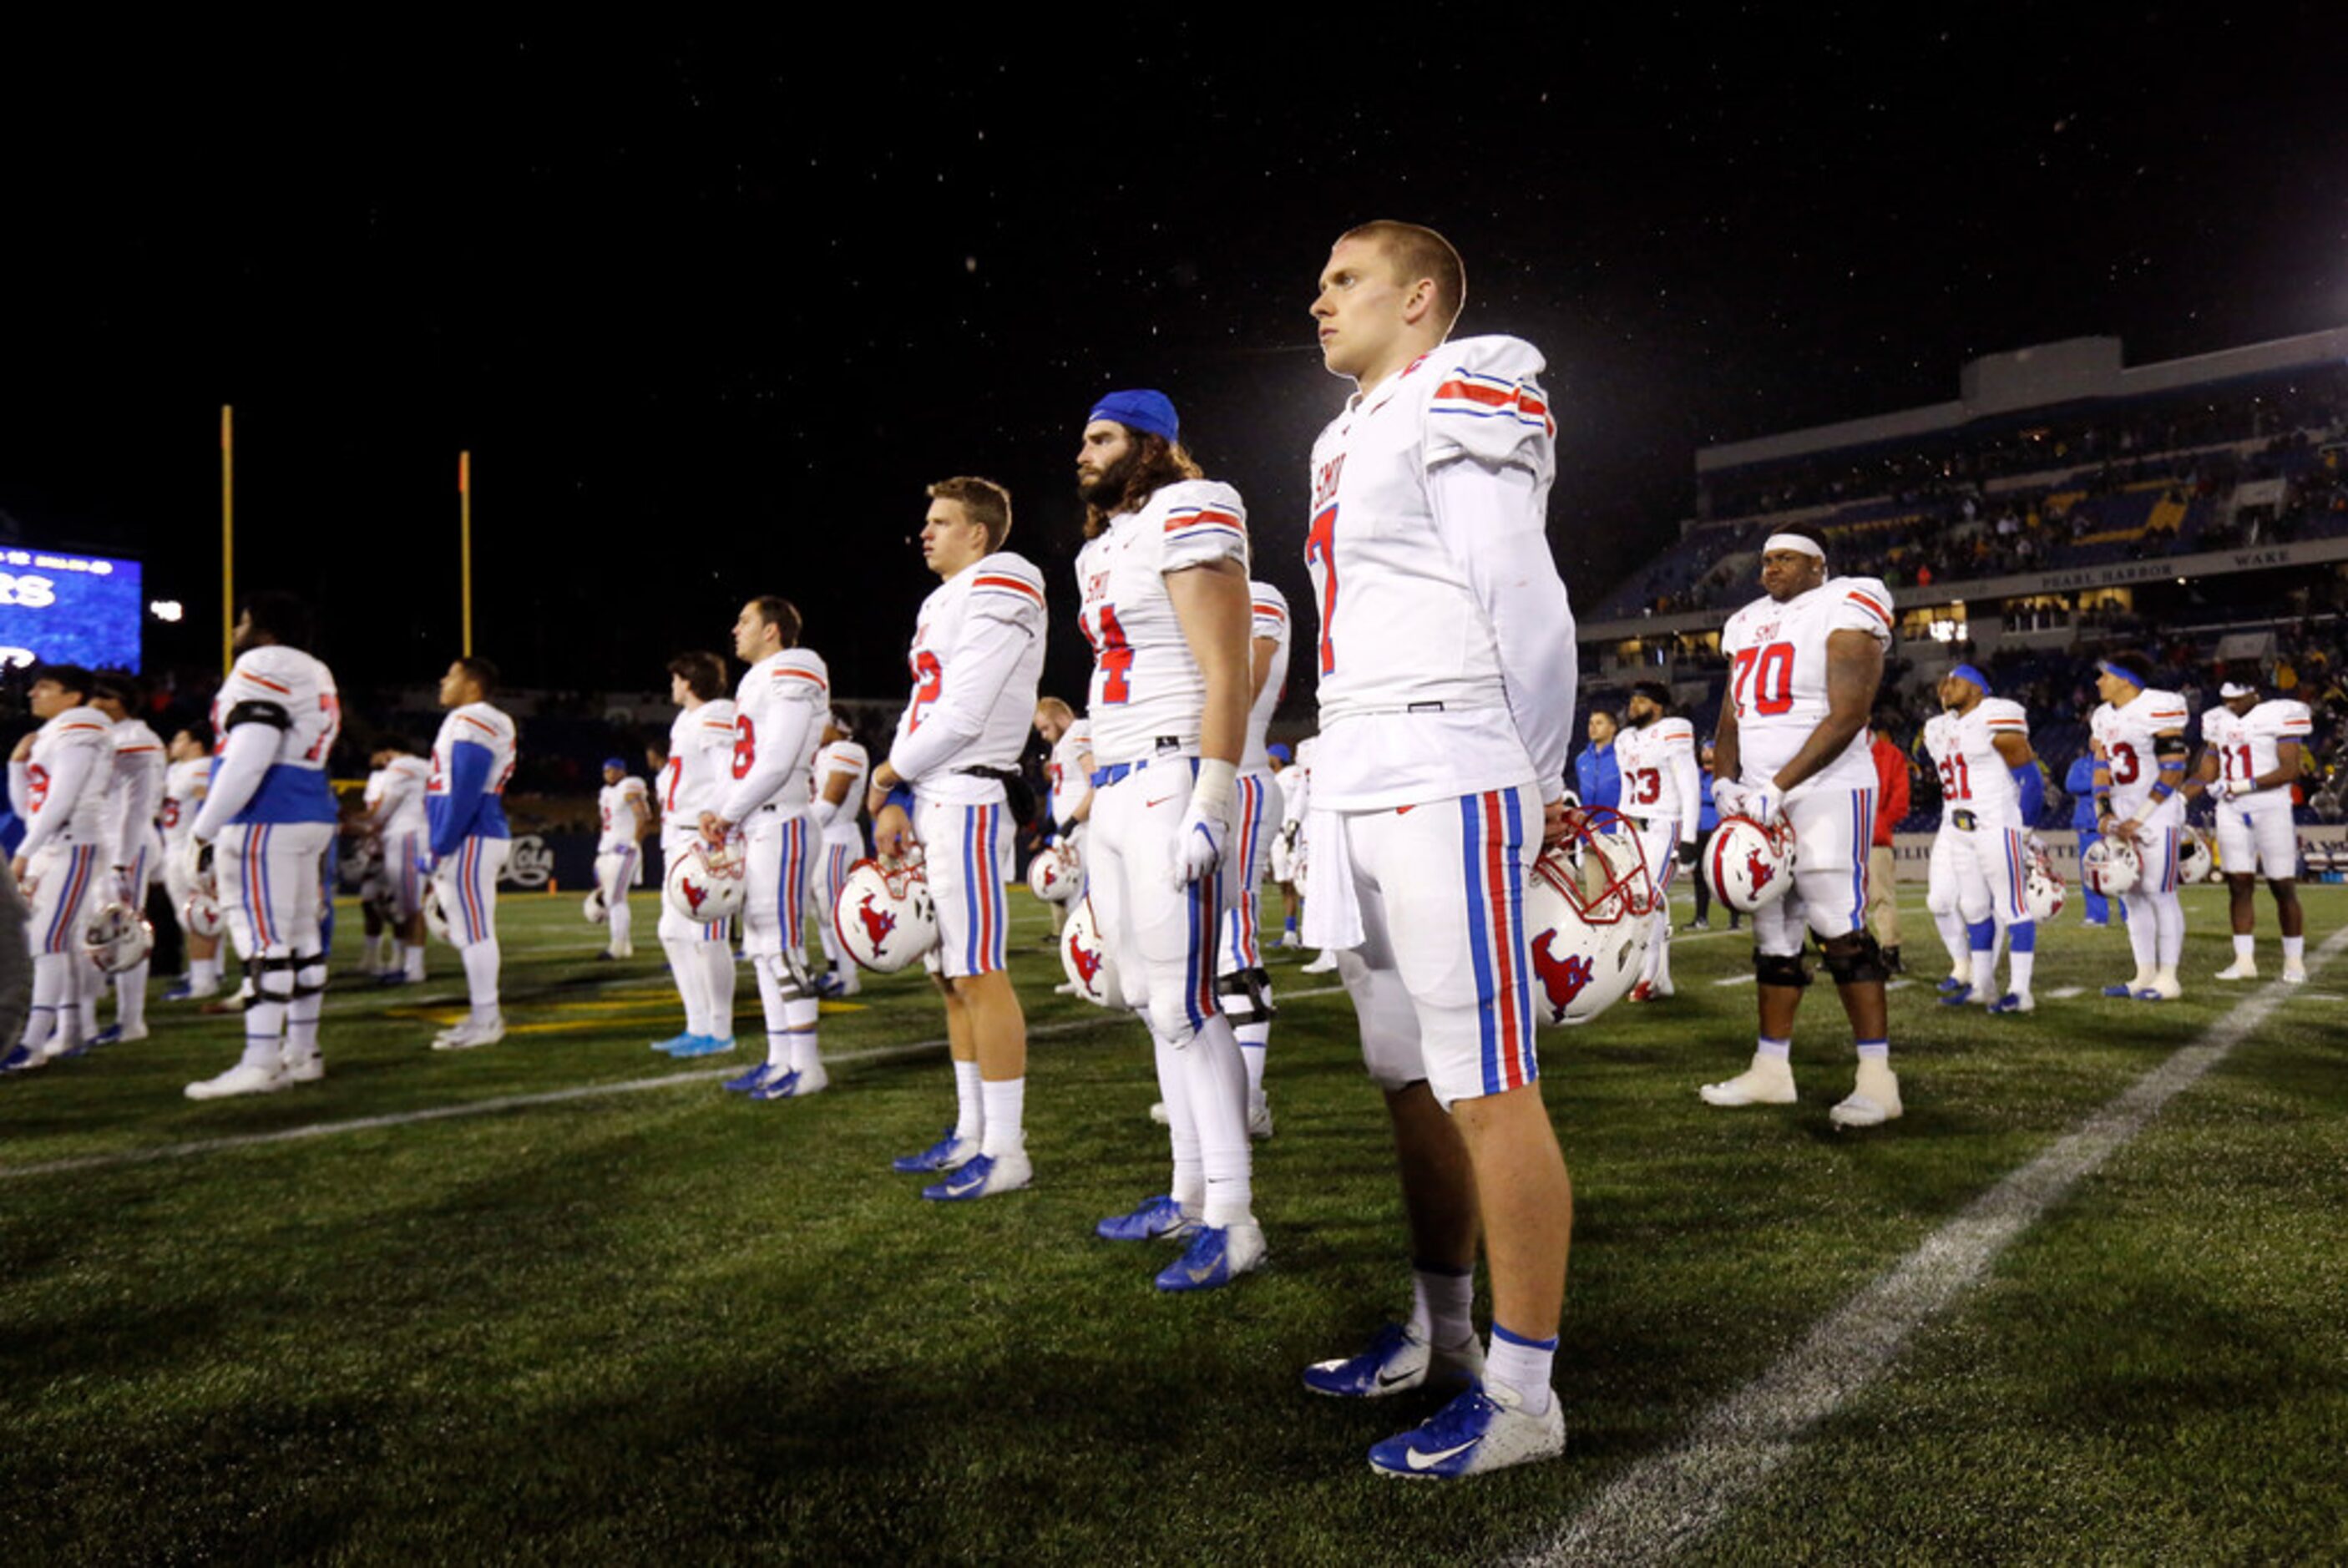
{"type": "Point", "coordinates": [521, 1101]}
{"type": "Point", "coordinates": [1666, 1505]}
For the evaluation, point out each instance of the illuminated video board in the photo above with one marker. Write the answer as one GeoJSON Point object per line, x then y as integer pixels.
{"type": "Point", "coordinates": [69, 609]}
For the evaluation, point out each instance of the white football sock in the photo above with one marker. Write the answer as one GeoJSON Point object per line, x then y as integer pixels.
{"type": "Point", "coordinates": [969, 1102]}
{"type": "Point", "coordinates": [1441, 1300]}
{"type": "Point", "coordinates": [1985, 971]}
{"type": "Point", "coordinates": [623, 923]}
{"type": "Point", "coordinates": [799, 1017]}
{"type": "Point", "coordinates": [301, 1014]}
{"type": "Point", "coordinates": [718, 972]}
{"type": "Point", "coordinates": [1775, 1050]}
{"type": "Point", "coordinates": [2142, 935]}
{"type": "Point", "coordinates": [1189, 1188]}
{"type": "Point", "coordinates": [205, 971]}
{"type": "Point", "coordinates": [684, 969]}
{"type": "Point", "coordinates": [1254, 1039]}
{"type": "Point", "coordinates": [779, 1023]}
{"type": "Point", "coordinates": [1523, 1367]}
{"type": "Point", "coordinates": [130, 996]}
{"type": "Point", "coordinates": [1952, 926]}
{"type": "Point", "coordinates": [1218, 1080]}
{"type": "Point", "coordinates": [2168, 927]}
{"type": "Point", "coordinates": [52, 979]}
{"type": "Point", "coordinates": [1006, 1107]}
{"type": "Point", "coordinates": [2244, 946]}
{"type": "Point", "coordinates": [2019, 968]}
{"type": "Point", "coordinates": [482, 978]}
{"type": "Point", "coordinates": [2294, 950]}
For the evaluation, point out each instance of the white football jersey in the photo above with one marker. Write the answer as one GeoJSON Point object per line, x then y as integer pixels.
{"type": "Point", "coordinates": [184, 795]}
{"type": "Point", "coordinates": [1660, 777]}
{"type": "Point", "coordinates": [475, 724]}
{"type": "Point", "coordinates": [2250, 745]}
{"type": "Point", "coordinates": [780, 703]}
{"type": "Point", "coordinates": [397, 793]}
{"type": "Point", "coordinates": [2126, 736]}
{"type": "Point", "coordinates": [843, 757]}
{"type": "Point", "coordinates": [623, 806]}
{"type": "Point", "coordinates": [1974, 776]}
{"type": "Point", "coordinates": [1412, 693]}
{"type": "Point", "coordinates": [137, 792]}
{"type": "Point", "coordinates": [700, 761]}
{"type": "Point", "coordinates": [1296, 782]}
{"type": "Point", "coordinates": [1270, 624]}
{"type": "Point", "coordinates": [976, 659]}
{"type": "Point", "coordinates": [60, 789]}
{"type": "Point", "coordinates": [1148, 693]}
{"type": "Point", "coordinates": [1777, 677]}
{"type": "Point", "coordinates": [295, 789]}
{"type": "Point", "coordinates": [1072, 785]}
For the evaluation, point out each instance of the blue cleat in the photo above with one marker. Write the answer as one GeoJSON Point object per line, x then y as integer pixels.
{"type": "Point", "coordinates": [827, 986]}
{"type": "Point", "coordinates": [982, 1176]}
{"type": "Point", "coordinates": [947, 1153]}
{"type": "Point", "coordinates": [1953, 983]}
{"type": "Point", "coordinates": [778, 1086]}
{"type": "Point", "coordinates": [1396, 1361]}
{"type": "Point", "coordinates": [2120, 991]}
{"type": "Point", "coordinates": [394, 977]}
{"type": "Point", "coordinates": [1482, 1429]}
{"type": "Point", "coordinates": [181, 991]}
{"type": "Point", "coordinates": [1955, 994]}
{"type": "Point", "coordinates": [1217, 1255]}
{"type": "Point", "coordinates": [1158, 1216]}
{"type": "Point", "coordinates": [675, 1043]}
{"type": "Point", "coordinates": [20, 1060]}
{"type": "Point", "coordinates": [702, 1045]}
{"type": "Point", "coordinates": [749, 1081]}
{"type": "Point", "coordinates": [2014, 1002]}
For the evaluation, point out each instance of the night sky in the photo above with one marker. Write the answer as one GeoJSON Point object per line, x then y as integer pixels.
{"type": "Point", "coordinates": [710, 311]}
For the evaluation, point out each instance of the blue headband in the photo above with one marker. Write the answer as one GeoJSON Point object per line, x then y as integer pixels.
{"type": "Point", "coordinates": [1151, 413]}
{"type": "Point", "coordinates": [2118, 674]}
{"type": "Point", "coordinates": [615, 762]}
{"type": "Point", "coordinates": [1967, 673]}
{"type": "Point", "coordinates": [1280, 751]}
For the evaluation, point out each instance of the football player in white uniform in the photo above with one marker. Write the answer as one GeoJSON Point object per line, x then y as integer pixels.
{"type": "Point", "coordinates": [401, 783]}
{"type": "Point", "coordinates": [58, 780]}
{"type": "Point", "coordinates": [1804, 663]}
{"type": "Point", "coordinates": [1447, 683]}
{"type": "Point", "coordinates": [2252, 753]}
{"type": "Point", "coordinates": [779, 710]}
{"type": "Point", "coordinates": [2138, 736]}
{"type": "Point", "coordinates": [1662, 797]}
{"type": "Point", "coordinates": [185, 782]}
{"type": "Point", "coordinates": [1991, 791]}
{"type": "Point", "coordinates": [697, 768]}
{"type": "Point", "coordinates": [465, 816]}
{"type": "Point", "coordinates": [1164, 575]}
{"type": "Point", "coordinates": [625, 808]}
{"type": "Point", "coordinates": [842, 767]}
{"type": "Point", "coordinates": [1240, 975]}
{"type": "Point", "coordinates": [268, 819]}
{"type": "Point", "coordinates": [1069, 771]}
{"type": "Point", "coordinates": [135, 798]}
{"type": "Point", "coordinates": [1289, 858]}
{"type": "Point", "coordinates": [976, 656]}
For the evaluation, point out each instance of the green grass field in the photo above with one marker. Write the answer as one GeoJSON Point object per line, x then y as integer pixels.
{"type": "Point", "coordinates": [661, 1325]}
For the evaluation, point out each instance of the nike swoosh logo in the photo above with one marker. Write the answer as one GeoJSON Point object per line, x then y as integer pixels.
{"type": "Point", "coordinates": [1200, 1275]}
{"type": "Point", "coordinates": [1405, 810]}
{"type": "Point", "coordinates": [1387, 1382]}
{"type": "Point", "coordinates": [1419, 1461]}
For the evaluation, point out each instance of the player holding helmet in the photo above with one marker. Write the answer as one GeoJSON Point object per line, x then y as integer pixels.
{"type": "Point", "coordinates": [976, 656]}
{"type": "Point", "coordinates": [699, 761]}
{"type": "Point", "coordinates": [2138, 735]}
{"type": "Point", "coordinates": [1804, 664]}
{"type": "Point", "coordinates": [1990, 791]}
{"type": "Point", "coordinates": [1447, 687]}
{"type": "Point", "coordinates": [135, 796]}
{"type": "Point", "coordinates": [2253, 751]}
{"type": "Point", "coordinates": [57, 781]}
{"type": "Point", "coordinates": [842, 767]}
{"type": "Point", "coordinates": [1661, 795]}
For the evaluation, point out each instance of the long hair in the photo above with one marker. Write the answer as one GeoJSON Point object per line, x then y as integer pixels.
{"type": "Point", "coordinates": [1156, 463]}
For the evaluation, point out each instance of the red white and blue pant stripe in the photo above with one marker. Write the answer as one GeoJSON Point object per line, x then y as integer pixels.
{"type": "Point", "coordinates": [81, 862]}
{"type": "Point", "coordinates": [1491, 834]}
{"type": "Point", "coordinates": [471, 915]}
{"type": "Point", "coordinates": [1245, 950]}
{"type": "Point", "coordinates": [984, 908]}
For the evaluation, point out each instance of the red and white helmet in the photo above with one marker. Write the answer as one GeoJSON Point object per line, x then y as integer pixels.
{"type": "Point", "coordinates": [1086, 958]}
{"type": "Point", "coordinates": [1054, 874]}
{"type": "Point", "coordinates": [884, 916]}
{"type": "Point", "coordinates": [436, 913]}
{"type": "Point", "coordinates": [1588, 911]}
{"type": "Point", "coordinates": [201, 916]}
{"type": "Point", "coordinates": [708, 883]}
{"type": "Point", "coordinates": [2042, 889]}
{"type": "Point", "coordinates": [2110, 867]}
{"type": "Point", "coordinates": [116, 938]}
{"type": "Point", "coordinates": [594, 909]}
{"type": "Point", "coordinates": [2196, 861]}
{"type": "Point", "coordinates": [1749, 866]}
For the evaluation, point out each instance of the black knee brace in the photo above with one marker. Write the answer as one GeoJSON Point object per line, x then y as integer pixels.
{"type": "Point", "coordinates": [303, 961]}
{"type": "Point", "coordinates": [1246, 997]}
{"type": "Point", "coordinates": [1854, 958]}
{"type": "Point", "coordinates": [1780, 969]}
{"type": "Point", "coordinates": [258, 971]}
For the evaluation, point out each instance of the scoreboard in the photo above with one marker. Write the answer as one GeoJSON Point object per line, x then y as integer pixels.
{"type": "Point", "coordinates": [67, 609]}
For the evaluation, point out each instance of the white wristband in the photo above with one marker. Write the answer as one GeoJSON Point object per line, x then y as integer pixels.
{"type": "Point", "coordinates": [1216, 784]}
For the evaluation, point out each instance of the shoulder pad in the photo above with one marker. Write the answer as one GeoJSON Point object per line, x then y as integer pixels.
{"type": "Point", "coordinates": [258, 711]}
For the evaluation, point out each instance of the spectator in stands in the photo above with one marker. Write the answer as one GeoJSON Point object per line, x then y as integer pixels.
{"type": "Point", "coordinates": [1707, 818]}
{"type": "Point", "coordinates": [2080, 785]}
{"type": "Point", "coordinates": [1882, 866]}
{"type": "Point", "coordinates": [1596, 778]}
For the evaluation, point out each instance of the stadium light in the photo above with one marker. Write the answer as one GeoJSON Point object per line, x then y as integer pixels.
{"type": "Point", "coordinates": [166, 609]}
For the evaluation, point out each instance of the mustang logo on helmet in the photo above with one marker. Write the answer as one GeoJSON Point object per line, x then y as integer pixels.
{"type": "Point", "coordinates": [1087, 961]}
{"type": "Point", "coordinates": [1561, 976]}
{"type": "Point", "coordinates": [694, 895]}
{"type": "Point", "coordinates": [1757, 867]}
{"type": "Point", "coordinates": [878, 923]}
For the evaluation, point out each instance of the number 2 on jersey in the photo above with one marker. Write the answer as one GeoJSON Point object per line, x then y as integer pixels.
{"type": "Point", "coordinates": [1772, 672]}
{"type": "Point", "coordinates": [929, 677]}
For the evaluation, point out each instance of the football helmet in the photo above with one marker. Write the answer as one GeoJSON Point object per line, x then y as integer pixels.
{"type": "Point", "coordinates": [1588, 911]}
{"type": "Point", "coordinates": [2196, 861]}
{"type": "Point", "coordinates": [708, 883]}
{"type": "Point", "coordinates": [1086, 958]}
{"type": "Point", "coordinates": [116, 938]}
{"type": "Point", "coordinates": [196, 862]}
{"type": "Point", "coordinates": [884, 916]}
{"type": "Point", "coordinates": [2110, 867]}
{"type": "Point", "coordinates": [1750, 866]}
{"type": "Point", "coordinates": [594, 909]}
{"type": "Point", "coordinates": [436, 913]}
{"type": "Point", "coordinates": [2042, 889]}
{"type": "Point", "coordinates": [201, 916]}
{"type": "Point", "coordinates": [1054, 874]}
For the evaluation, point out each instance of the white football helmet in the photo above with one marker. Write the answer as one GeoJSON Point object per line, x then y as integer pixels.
{"type": "Point", "coordinates": [1053, 875]}
{"type": "Point", "coordinates": [594, 909]}
{"type": "Point", "coordinates": [202, 915]}
{"type": "Point", "coordinates": [2110, 867]}
{"type": "Point", "coordinates": [2042, 889]}
{"type": "Point", "coordinates": [884, 916]}
{"type": "Point", "coordinates": [1086, 958]}
{"type": "Point", "coordinates": [1748, 866]}
{"type": "Point", "coordinates": [708, 883]}
{"type": "Point", "coordinates": [1588, 911]}
{"type": "Point", "coordinates": [436, 913]}
{"type": "Point", "coordinates": [197, 864]}
{"type": "Point", "coordinates": [116, 938]}
{"type": "Point", "coordinates": [2196, 861]}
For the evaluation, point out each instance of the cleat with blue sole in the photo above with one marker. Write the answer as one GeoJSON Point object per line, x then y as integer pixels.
{"type": "Point", "coordinates": [1485, 1428]}
{"type": "Point", "coordinates": [2013, 1002]}
{"type": "Point", "coordinates": [675, 1043]}
{"type": "Point", "coordinates": [948, 1153]}
{"type": "Point", "coordinates": [1217, 1255]}
{"type": "Point", "coordinates": [778, 1086]}
{"type": "Point", "coordinates": [1396, 1361]}
{"type": "Point", "coordinates": [1953, 983]}
{"type": "Point", "coordinates": [1955, 995]}
{"type": "Point", "coordinates": [750, 1080]}
{"type": "Point", "coordinates": [2121, 991]}
{"type": "Point", "coordinates": [1158, 1216]}
{"type": "Point", "coordinates": [982, 1176]}
{"type": "Point", "coordinates": [702, 1045]}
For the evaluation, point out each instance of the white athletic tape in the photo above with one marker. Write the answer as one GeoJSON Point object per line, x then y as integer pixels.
{"type": "Point", "coordinates": [1666, 1505]}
